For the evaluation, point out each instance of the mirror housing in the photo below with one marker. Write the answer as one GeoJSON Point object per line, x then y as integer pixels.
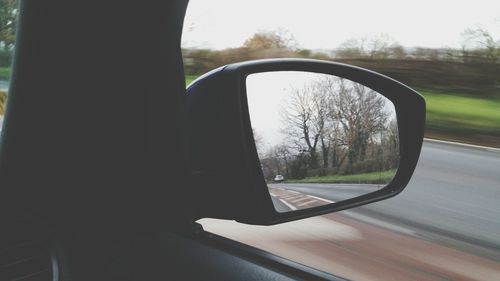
{"type": "Point", "coordinates": [224, 159]}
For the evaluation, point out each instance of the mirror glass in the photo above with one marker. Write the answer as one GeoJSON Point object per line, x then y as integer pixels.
{"type": "Point", "coordinates": [320, 138]}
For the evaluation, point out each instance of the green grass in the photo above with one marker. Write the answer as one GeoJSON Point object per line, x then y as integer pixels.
{"type": "Point", "coordinates": [190, 78]}
{"type": "Point", "coordinates": [462, 115]}
{"type": "Point", "coordinates": [4, 73]}
{"type": "Point", "coordinates": [373, 178]}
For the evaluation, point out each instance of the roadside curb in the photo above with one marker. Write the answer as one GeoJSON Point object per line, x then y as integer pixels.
{"type": "Point", "coordinates": [494, 149]}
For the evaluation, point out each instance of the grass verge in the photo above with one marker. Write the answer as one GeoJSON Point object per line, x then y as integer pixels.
{"type": "Point", "coordinates": [373, 178]}
{"type": "Point", "coordinates": [190, 78]}
{"type": "Point", "coordinates": [462, 118]}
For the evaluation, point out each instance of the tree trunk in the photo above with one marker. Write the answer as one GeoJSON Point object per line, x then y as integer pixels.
{"type": "Point", "coordinates": [325, 150]}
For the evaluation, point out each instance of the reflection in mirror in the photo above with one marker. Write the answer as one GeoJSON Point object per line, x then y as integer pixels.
{"type": "Point", "coordinates": [320, 138]}
{"type": "Point", "coordinates": [3, 102]}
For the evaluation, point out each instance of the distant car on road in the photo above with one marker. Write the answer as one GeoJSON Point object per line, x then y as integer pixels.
{"type": "Point", "coordinates": [279, 178]}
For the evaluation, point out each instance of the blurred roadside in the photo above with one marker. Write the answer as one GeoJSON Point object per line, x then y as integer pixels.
{"type": "Point", "coordinates": [461, 86]}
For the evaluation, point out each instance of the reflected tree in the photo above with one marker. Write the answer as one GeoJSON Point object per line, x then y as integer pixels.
{"type": "Point", "coordinates": [275, 161]}
{"type": "Point", "coordinates": [3, 102]}
{"type": "Point", "coordinates": [8, 15]}
{"type": "Point", "coordinates": [331, 120]}
{"type": "Point", "coordinates": [304, 121]}
{"type": "Point", "coordinates": [360, 113]}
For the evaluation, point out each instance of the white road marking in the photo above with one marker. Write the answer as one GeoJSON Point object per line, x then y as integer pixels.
{"type": "Point", "coordinates": [293, 197]}
{"type": "Point", "coordinates": [306, 203]}
{"type": "Point", "coordinates": [322, 199]}
{"type": "Point", "coordinates": [288, 205]}
{"type": "Point", "coordinates": [300, 200]}
{"type": "Point", "coordinates": [464, 144]}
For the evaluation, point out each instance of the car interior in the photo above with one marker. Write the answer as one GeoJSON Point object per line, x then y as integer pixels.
{"type": "Point", "coordinates": [106, 162]}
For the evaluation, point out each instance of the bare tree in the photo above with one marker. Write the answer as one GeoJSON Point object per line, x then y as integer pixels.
{"type": "Point", "coordinates": [352, 48]}
{"type": "Point", "coordinates": [479, 42]}
{"type": "Point", "coordinates": [275, 161]}
{"type": "Point", "coordinates": [3, 102]}
{"type": "Point", "coordinates": [284, 154]}
{"type": "Point", "coordinates": [397, 51]}
{"type": "Point", "coordinates": [259, 143]}
{"type": "Point", "coordinates": [392, 144]}
{"type": "Point", "coordinates": [381, 46]}
{"type": "Point", "coordinates": [279, 39]}
{"type": "Point", "coordinates": [360, 112]}
{"type": "Point", "coordinates": [337, 117]}
{"type": "Point", "coordinates": [302, 123]}
{"type": "Point", "coordinates": [327, 127]}
{"type": "Point", "coordinates": [8, 15]}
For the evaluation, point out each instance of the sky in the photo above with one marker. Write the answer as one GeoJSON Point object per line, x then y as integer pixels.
{"type": "Point", "coordinates": [267, 93]}
{"type": "Point", "coordinates": [324, 24]}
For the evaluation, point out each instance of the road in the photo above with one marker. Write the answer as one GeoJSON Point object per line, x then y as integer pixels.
{"type": "Point", "coordinates": [319, 194]}
{"type": "Point", "coordinates": [444, 226]}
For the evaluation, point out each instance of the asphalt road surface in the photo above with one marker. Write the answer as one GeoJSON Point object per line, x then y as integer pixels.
{"type": "Point", "coordinates": [444, 226]}
{"type": "Point", "coordinates": [331, 192]}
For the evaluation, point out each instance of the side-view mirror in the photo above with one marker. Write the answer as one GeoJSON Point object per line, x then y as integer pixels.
{"type": "Point", "coordinates": [279, 140]}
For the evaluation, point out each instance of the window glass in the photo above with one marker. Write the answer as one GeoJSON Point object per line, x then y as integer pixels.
{"type": "Point", "coordinates": [445, 225]}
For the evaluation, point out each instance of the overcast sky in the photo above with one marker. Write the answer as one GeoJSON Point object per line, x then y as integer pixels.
{"type": "Point", "coordinates": [267, 94]}
{"type": "Point", "coordinates": [324, 24]}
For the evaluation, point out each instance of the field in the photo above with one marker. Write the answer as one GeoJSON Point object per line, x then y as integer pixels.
{"type": "Point", "coordinates": [463, 118]}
